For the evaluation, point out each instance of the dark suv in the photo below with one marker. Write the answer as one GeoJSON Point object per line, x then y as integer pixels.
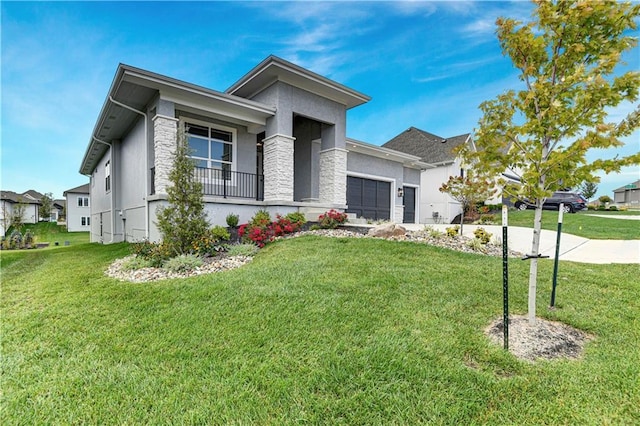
{"type": "Point", "coordinates": [573, 202]}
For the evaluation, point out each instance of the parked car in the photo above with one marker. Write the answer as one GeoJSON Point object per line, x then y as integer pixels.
{"type": "Point", "coordinates": [572, 201]}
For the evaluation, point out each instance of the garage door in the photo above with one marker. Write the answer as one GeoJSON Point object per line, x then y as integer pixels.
{"type": "Point", "coordinates": [368, 198]}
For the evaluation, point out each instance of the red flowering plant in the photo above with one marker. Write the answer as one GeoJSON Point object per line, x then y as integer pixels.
{"type": "Point", "coordinates": [260, 230]}
{"type": "Point", "coordinates": [331, 219]}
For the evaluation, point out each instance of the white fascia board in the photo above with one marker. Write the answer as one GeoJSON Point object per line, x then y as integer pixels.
{"type": "Point", "coordinates": [387, 154]}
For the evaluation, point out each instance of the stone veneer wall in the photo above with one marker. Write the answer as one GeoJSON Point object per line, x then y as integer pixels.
{"type": "Point", "coordinates": [165, 133]}
{"type": "Point", "coordinates": [333, 176]}
{"type": "Point", "coordinates": [399, 213]}
{"type": "Point", "coordinates": [278, 168]}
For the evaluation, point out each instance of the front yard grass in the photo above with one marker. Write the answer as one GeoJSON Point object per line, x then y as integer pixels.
{"type": "Point", "coordinates": [584, 224]}
{"type": "Point", "coordinates": [314, 330]}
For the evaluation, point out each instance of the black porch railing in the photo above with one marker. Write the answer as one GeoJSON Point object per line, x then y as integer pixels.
{"type": "Point", "coordinates": [229, 184]}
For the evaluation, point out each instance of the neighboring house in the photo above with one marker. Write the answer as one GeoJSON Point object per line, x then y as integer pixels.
{"type": "Point", "coordinates": [437, 152]}
{"type": "Point", "coordinates": [628, 195]}
{"type": "Point", "coordinates": [78, 209]}
{"type": "Point", "coordinates": [10, 201]}
{"type": "Point", "coordinates": [57, 210]}
{"type": "Point", "coordinates": [275, 140]}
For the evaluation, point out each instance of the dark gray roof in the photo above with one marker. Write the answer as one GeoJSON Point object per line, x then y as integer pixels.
{"type": "Point", "coordinates": [82, 189]}
{"type": "Point", "coordinates": [16, 198]}
{"type": "Point", "coordinates": [429, 147]}
{"type": "Point", "coordinates": [634, 185]}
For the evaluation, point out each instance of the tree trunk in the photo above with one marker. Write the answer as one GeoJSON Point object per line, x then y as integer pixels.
{"type": "Point", "coordinates": [533, 268]}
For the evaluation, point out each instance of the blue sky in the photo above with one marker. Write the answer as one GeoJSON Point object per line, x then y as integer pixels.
{"type": "Point", "coordinates": [424, 64]}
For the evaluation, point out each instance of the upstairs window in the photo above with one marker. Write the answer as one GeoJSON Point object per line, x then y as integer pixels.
{"type": "Point", "coordinates": [211, 145]}
{"type": "Point", "coordinates": [107, 176]}
{"type": "Point", "coordinates": [83, 201]}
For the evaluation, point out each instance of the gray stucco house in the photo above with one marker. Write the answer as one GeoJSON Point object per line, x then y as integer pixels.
{"type": "Point", "coordinates": [78, 209]}
{"type": "Point", "coordinates": [276, 139]}
{"type": "Point", "coordinates": [438, 153]}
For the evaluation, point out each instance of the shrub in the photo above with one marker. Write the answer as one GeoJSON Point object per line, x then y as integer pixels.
{"type": "Point", "coordinates": [601, 208]}
{"type": "Point", "coordinates": [590, 207]}
{"type": "Point", "coordinates": [612, 208]}
{"type": "Point", "coordinates": [487, 219]}
{"type": "Point", "coordinates": [183, 263]}
{"type": "Point", "coordinates": [155, 253]}
{"type": "Point", "coordinates": [15, 241]}
{"type": "Point", "coordinates": [28, 239]}
{"type": "Point", "coordinates": [432, 232]}
{"type": "Point", "coordinates": [135, 262]}
{"type": "Point", "coordinates": [476, 245]}
{"type": "Point", "coordinates": [482, 235]}
{"type": "Point", "coordinates": [452, 231]}
{"type": "Point", "coordinates": [297, 217]}
{"type": "Point", "coordinates": [261, 218]}
{"type": "Point", "coordinates": [220, 233]}
{"type": "Point", "coordinates": [247, 250]}
{"type": "Point", "coordinates": [211, 241]}
{"type": "Point", "coordinates": [232, 220]}
{"type": "Point", "coordinates": [331, 219]}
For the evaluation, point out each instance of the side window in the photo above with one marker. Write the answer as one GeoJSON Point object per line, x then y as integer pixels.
{"type": "Point", "coordinates": [107, 176]}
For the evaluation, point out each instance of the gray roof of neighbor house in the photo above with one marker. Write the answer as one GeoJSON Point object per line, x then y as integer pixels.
{"type": "Point", "coordinates": [17, 198]}
{"type": "Point", "coordinates": [82, 189]}
{"type": "Point", "coordinates": [429, 147]}
{"type": "Point", "coordinates": [34, 195]}
{"type": "Point", "coordinates": [634, 185]}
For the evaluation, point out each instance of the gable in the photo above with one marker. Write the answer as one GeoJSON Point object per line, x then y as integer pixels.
{"type": "Point", "coordinates": [429, 147]}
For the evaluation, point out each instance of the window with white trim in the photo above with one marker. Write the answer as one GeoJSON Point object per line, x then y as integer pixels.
{"type": "Point", "coordinates": [86, 221]}
{"type": "Point", "coordinates": [83, 201]}
{"type": "Point", "coordinates": [211, 145]}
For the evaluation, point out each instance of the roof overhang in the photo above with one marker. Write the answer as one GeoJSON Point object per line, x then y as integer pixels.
{"type": "Point", "coordinates": [137, 88]}
{"type": "Point", "coordinates": [274, 69]}
{"type": "Point", "coordinates": [407, 160]}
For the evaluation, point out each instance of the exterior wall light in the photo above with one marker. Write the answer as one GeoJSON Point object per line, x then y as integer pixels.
{"type": "Point", "coordinates": [400, 192]}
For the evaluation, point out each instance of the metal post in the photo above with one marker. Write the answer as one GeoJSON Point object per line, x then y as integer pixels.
{"type": "Point", "coordinates": [556, 260]}
{"type": "Point", "coordinates": [505, 277]}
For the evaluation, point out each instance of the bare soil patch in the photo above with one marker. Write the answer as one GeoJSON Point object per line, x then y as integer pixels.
{"type": "Point", "coordinates": [544, 340]}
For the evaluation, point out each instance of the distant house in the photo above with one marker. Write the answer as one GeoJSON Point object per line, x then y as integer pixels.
{"type": "Point", "coordinates": [437, 152]}
{"type": "Point", "coordinates": [57, 210]}
{"type": "Point", "coordinates": [78, 209]}
{"type": "Point", "coordinates": [628, 195]}
{"type": "Point", "coordinates": [10, 202]}
{"type": "Point", "coordinates": [275, 140]}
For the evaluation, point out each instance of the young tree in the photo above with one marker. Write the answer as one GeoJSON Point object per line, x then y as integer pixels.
{"type": "Point", "coordinates": [46, 204]}
{"type": "Point", "coordinates": [184, 220]}
{"type": "Point", "coordinates": [588, 189]}
{"type": "Point", "coordinates": [17, 216]}
{"type": "Point", "coordinates": [468, 191]}
{"type": "Point", "coordinates": [566, 58]}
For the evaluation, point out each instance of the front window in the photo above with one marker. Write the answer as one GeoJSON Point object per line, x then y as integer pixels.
{"type": "Point", "coordinates": [211, 145]}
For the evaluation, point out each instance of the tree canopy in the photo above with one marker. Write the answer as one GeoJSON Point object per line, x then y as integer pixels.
{"type": "Point", "coordinates": [566, 58]}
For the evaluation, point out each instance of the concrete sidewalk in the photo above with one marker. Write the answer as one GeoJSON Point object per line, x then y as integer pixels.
{"type": "Point", "coordinates": [572, 248]}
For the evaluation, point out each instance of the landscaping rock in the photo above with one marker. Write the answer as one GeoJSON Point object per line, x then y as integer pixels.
{"type": "Point", "coordinates": [388, 230]}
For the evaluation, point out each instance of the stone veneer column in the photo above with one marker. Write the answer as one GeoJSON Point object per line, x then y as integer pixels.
{"type": "Point", "coordinates": [278, 168]}
{"type": "Point", "coordinates": [333, 176]}
{"type": "Point", "coordinates": [398, 214]}
{"type": "Point", "coordinates": [165, 133]}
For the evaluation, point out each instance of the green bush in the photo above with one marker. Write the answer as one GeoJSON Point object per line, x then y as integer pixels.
{"type": "Point", "coordinates": [432, 232]}
{"type": "Point", "coordinates": [220, 233]}
{"type": "Point", "coordinates": [453, 231]}
{"type": "Point", "coordinates": [232, 220]}
{"type": "Point", "coordinates": [28, 239]}
{"type": "Point", "coordinates": [248, 250]}
{"type": "Point", "coordinates": [487, 219]}
{"type": "Point", "coordinates": [182, 263]}
{"type": "Point", "coordinates": [476, 245]}
{"type": "Point", "coordinates": [135, 262]}
{"type": "Point", "coordinates": [297, 218]}
{"type": "Point", "coordinates": [612, 208]}
{"type": "Point", "coordinates": [482, 235]}
{"type": "Point", "coordinates": [590, 207]}
{"type": "Point", "coordinates": [602, 208]}
{"type": "Point", "coordinates": [260, 218]}
{"type": "Point", "coordinates": [155, 253]}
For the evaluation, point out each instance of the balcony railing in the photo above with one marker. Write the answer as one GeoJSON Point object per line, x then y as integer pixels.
{"type": "Point", "coordinates": [229, 184]}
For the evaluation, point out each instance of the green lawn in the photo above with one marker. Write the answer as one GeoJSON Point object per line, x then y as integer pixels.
{"type": "Point", "coordinates": [584, 224]}
{"type": "Point", "coordinates": [315, 331]}
{"type": "Point", "coordinates": [51, 232]}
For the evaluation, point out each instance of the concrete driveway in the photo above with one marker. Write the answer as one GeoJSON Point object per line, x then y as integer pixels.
{"type": "Point", "coordinates": [572, 248]}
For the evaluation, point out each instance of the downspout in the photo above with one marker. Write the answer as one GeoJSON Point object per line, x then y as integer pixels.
{"type": "Point", "coordinates": [113, 230]}
{"type": "Point", "coordinates": [146, 160]}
